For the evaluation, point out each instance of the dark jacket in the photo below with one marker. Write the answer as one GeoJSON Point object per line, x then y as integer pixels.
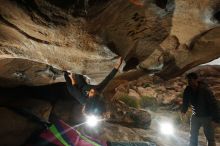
{"type": "Point", "coordinates": [80, 90]}
{"type": "Point", "coordinates": [202, 101]}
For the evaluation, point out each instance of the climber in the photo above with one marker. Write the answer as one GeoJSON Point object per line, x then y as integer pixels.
{"type": "Point", "coordinates": [204, 109]}
{"type": "Point", "coordinates": [89, 95]}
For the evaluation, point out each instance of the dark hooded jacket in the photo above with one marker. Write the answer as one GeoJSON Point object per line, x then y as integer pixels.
{"type": "Point", "coordinates": [202, 101]}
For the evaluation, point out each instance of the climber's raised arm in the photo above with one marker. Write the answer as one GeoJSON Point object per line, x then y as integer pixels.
{"type": "Point", "coordinates": [110, 76]}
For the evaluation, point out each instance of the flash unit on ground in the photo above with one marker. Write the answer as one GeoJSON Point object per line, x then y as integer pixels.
{"type": "Point", "coordinates": [92, 120]}
{"type": "Point", "coordinates": [166, 128]}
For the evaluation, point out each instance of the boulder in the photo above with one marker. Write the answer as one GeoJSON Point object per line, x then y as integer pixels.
{"type": "Point", "coordinates": [16, 128]}
{"type": "Point", "coordinates": [130, 117]}
{"type": "Point", "coordinates": [134, 94]}
{"type": "Point", "coordinates": [148, 91]}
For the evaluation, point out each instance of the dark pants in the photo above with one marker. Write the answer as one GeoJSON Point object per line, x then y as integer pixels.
{"type": "Point", "coordinates": [206, 123]}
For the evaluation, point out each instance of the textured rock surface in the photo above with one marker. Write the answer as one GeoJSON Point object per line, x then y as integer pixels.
{"type": "Point", "coordinates": [133, 31]}
{"type": "Point", "coordinates": [43, 36]}
{"type": "Point", "coordinates": [168, 97]}
{"type": "Point", "coordinates": [171, 40]}
{"type": "Point", "coordinates": [15, 129]}
{"type": "Point", "coordinates": [37, 37]}
{"type": "Point", "coordinates": [168, 92]}
{"type": "Point", "coordinates": [130, 117]}
{"type": "Point", "coordinates": [40, 38]}
{"type": "Point", "coordinates": [196, 33]}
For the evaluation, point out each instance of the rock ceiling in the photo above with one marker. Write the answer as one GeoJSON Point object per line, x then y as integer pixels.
{"type": "Point", "coordinates": [39, 39]}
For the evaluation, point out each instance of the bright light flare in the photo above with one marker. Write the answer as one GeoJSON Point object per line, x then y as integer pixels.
{"type": "Point", "coordinates": [92, 120]}
{"type": "Point", "coordinates": [167, 128]}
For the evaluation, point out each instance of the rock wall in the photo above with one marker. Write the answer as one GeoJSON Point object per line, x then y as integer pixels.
{"type": "Point", "coordinates": [167, 92]}
{"type": "Point", "coordinates": [41, 38]}
{"type": "Point", "coordinates": [133, 31]}
{"type": "Point", "coordinates": [193, 38]}
{"type": "Point", "coordinates": [38, 40]}
{"type": "Point", "coordinates": [163, 97]}
{"type": "Point", "coordinates": [169, 39]}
